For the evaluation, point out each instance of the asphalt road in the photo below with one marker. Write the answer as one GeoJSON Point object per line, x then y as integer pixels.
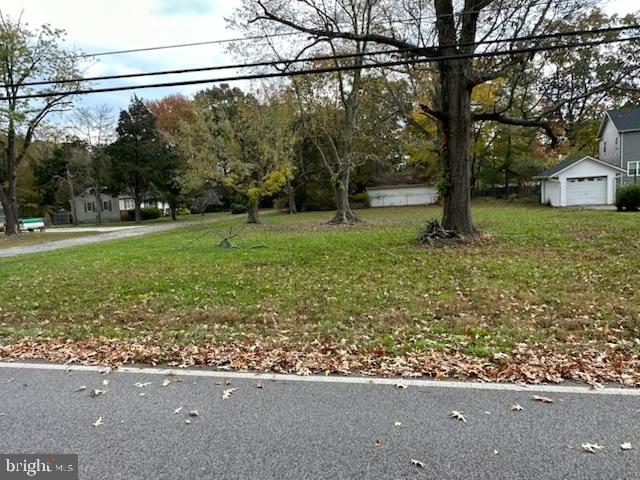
{"type": "Point", "coordinates": [312, 430]}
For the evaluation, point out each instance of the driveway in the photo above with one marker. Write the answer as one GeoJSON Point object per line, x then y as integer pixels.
{"type": "Point", "coordinates": [121, 232]}
{"type": "Point", "coordinates": [286, 427]}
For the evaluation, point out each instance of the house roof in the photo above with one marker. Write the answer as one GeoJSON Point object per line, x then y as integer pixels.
{"type": "Point", "coordinates": [625, 120]}
{"type": "Point", "coordinates": [566, 164]}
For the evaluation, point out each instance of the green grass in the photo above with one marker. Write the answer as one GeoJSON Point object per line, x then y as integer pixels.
{"type": "Point", "coordinates": [538, 275]}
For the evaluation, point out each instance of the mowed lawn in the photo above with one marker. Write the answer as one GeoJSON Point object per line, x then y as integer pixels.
{"type": "Point", "coordinates": [561, 280]}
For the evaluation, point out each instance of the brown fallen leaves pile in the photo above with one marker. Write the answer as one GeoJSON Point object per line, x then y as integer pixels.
{"type": "Point", "coordinates": [530, 364]}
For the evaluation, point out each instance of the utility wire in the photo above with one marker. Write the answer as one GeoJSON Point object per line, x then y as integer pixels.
{"type": "Point", "coordinates": [297, 73]}
{"type": "Point", "coordinates": [420, 51]}
{"type": "Point", "coordinates": [288, 34]}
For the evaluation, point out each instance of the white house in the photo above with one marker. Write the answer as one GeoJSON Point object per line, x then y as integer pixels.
{"type": "Point", "coordinates": [579, 181]}
{"type": "Point", "coordinates": [402, 195]}
{"type": "Point", "coordinates": [112, 208]}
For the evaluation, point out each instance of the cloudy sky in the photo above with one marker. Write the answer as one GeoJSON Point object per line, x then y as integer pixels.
{"type": "Point", "coordinates": [106, 25]}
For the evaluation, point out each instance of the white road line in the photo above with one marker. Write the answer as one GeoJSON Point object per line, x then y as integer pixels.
{"type": "Point", "coordinates": [414, 382]}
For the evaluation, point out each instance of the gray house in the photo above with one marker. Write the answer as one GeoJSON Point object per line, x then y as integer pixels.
{"type": "Point", "coordinates": [619, 139]}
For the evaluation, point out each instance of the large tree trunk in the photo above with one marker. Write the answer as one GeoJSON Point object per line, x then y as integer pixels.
{"type": "Point", "coordinates": [138, 202]}
{"type": "Point", "coordinates": [293, 209]}
{"type": "Point", "coordinates": [173, 208]}
{"type": "Point", "coordinates": [456, 131]}
{"type": "Point", "coordinates": [10, 205]}
{"type": "Point", "coordinates": [252, 211]}
{"type": "Point", "coordinates": [344, 214]}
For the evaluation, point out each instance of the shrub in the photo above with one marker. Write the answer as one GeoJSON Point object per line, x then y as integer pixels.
{"type": "Point", "coordinates": [237, 208]}
{"type": "Point", "coordinates": [146, 213]}
{"type": "Point", "coordinates": [628, 198]}
{"type": "Point", "coordinates": [360, 200]}
{"type": "Point", "coordinates": [183, 211]}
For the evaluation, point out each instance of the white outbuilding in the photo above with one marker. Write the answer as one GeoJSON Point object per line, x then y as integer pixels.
{"type": "Point", "coordinates": [579, 181]}
{"type": "Point", "coordinates": [402, 195]}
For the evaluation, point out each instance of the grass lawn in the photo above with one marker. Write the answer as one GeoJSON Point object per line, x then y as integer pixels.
{"type": "Point", "coordinates": [546, 294]}
{"type": "Point", "coordinates": [36, 238]}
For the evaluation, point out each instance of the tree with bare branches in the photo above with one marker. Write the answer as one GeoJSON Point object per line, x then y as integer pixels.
{"type": "Point", "coordinates": [26, 55]}
{"type": "Point", "coordinates": [463, 38]}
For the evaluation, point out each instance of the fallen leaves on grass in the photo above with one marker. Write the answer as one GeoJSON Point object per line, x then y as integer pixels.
{"type": "Point", "coordinates": [540, 398]}
{"type": "Point", "coordinates": [98, 422]}
{"type": "Point", "coordinates": [526, 363]}
{"type": "Point", "coordinates": [417, 463]}
{"type": "Point", "coordinates": [626, 446]}
{"type": "Point", "coordinates": [458, 416]}
{"type": "Point", "coordinates": [591, 447]}
{"type": "Point", "coordinates": [226, 394]}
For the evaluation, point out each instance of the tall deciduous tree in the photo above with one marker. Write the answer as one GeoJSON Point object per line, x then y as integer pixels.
{"type": "Point", "coordinates": [27, 55]}
{"type": "Point", "coordinates": [170, 113]}
{"type": "Point", "coordinates": [449, 30]}
{"type": "Point", "coordinates": [137, 152]}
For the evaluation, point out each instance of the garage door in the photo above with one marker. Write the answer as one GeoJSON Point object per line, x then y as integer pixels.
{"type": "Point", "coordinates": [587, 191]}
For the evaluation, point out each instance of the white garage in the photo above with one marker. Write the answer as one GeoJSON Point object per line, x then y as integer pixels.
{"type": "Point", "coordinates": [578, 182]}
{"type": "Point", "coordinates": [402, 195]}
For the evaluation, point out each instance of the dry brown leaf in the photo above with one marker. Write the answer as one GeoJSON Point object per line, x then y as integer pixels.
{"type": "Point", "coordinates": [166, 382]}
{"type": "Point", "coordinates": [106, 382]}
{"type": "Point", "coordinates": [440, 375]}
{"type": "Point", "coordinates": [458, 416]}
{"type": "Point", "coordinates": [194, 413]}
{"type": "Point", "coordinates": [626, 446]}
{"type": "Point", "coordinates": [517, 407]}
{"type": "Point", "coordinates": [98, 422]}
{"type": "Point", "coordinates": [97, 392]}
{"type": "Point", "coordinates": [142, 384]}
{"type": "Point", "coordinates": [81, 388]}
{"type": "Point", "coordinates": [377, 443]}
{"type": "Point", "coordinates": [417, 463]}
{"type": "Point", "coordinates": [259, 385]}
{"type": "Point", "coordinates": [401, 386]}
{"type": "Point", "coordinates": [226, 394]}
{"type": "Point", "coordinates": [177, 410]}
{"type": "Point", "coordinates": [591, 447]}
{"type": "Point", "coordinates": [540, 398]}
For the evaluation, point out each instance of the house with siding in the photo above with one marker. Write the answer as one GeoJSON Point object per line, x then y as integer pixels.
{"type": "Point", "coordinates": [619, 142]}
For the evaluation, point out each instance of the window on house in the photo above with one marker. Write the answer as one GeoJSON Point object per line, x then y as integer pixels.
{"type": "Point", "coordinates": [105, 205]}
{"type": "Point", "coordinates": [89, 207]}
{"type": "Point", "coordinates": [633, 169]}
{"type": "Point", "coordinates": [605, 146]}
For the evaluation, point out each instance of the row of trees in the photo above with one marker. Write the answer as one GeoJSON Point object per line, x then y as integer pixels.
{"type": "Point", "coordinates": [314, 140]}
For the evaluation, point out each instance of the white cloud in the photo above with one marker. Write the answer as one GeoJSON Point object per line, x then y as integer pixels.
{"type": "Point", "coordinates": [98, 26]}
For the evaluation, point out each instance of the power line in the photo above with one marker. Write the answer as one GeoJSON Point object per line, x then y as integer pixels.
{"type": "Point", "coordinates": [286, 34]}
{"type": "Point", "coordinates": [413, 50]}
{"type": "Point", "coordinates": [296, 73]}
